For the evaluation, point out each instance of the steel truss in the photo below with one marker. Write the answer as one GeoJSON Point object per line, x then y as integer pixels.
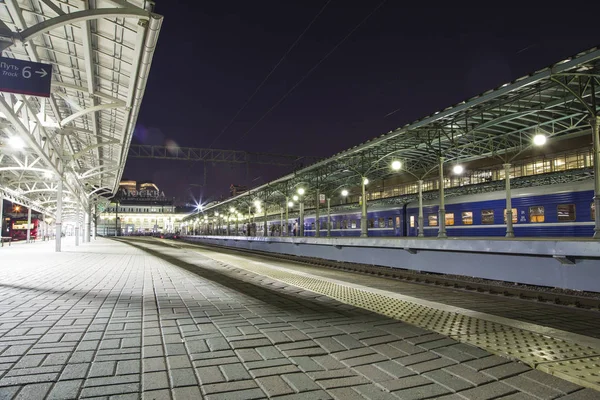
{"type": "Point", "coordinates": [558, 101]}
{"type": "Point", "coordinates": [216, 155]}
{"type": "Point", "coordinates": [100, 53]}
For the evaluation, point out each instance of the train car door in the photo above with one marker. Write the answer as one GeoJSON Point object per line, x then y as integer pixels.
{"type": "Point", "coordinates": [397, 225]}
{"type": "Point", "coordinates": [412, 225]}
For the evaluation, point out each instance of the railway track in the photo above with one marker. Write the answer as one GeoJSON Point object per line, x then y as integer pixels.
{"type": "Point", "coordinates": [584, 300]}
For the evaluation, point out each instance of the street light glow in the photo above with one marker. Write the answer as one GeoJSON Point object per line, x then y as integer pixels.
{"type": "Point", "coordinates": [295, 198]}
{"type": "Point", "coordinates": [231, 210]}
{"type": "Point", "coordinates": [344, 193]}
{"type": "Point", "coordinates": [539, 139]}
{"type": "Point", "coordinates": [16, 142]}
{"type": "Point", "coordinates": [291, 204]}
{"type": "Point", "coordinates": [396, 165]}
{"type": "Point", "coordinates": [257, 203]}
{"type": "Point", "coordinates": [300, 191]}
{"type": "Point", "coordinates": [365, 181]}
{"type": "Point", "coordinates": [458, 169]}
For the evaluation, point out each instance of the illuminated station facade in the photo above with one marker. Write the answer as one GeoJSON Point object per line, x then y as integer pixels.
{"type": "Point", "coordinates": [140, 208]}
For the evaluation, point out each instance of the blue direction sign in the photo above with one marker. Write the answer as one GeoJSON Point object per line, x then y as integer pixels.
{"type": "Point", "coordinates": [25, 77]}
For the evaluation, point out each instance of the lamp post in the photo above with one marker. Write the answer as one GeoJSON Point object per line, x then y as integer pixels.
{"type": "Point", "coordinates": [363, 215]}
{"type": "Point", "coordinates": [288, 205]}
{"type": "Point", "coordinates": [301, 192]}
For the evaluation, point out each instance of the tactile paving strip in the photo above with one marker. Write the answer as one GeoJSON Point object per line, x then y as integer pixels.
{"type": "Point", "coordinates": [583, 371]}
{"type": "Point", "coordinates": [569, 360]}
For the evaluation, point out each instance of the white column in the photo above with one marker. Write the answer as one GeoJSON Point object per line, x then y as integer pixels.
{"type": "Point", "coordinates": [421, 228]}
{"type": "Point", "coordinates": [301, 219]}
{"type": "Point", "coordinates": [28, 224]}
{"type": "Point", "coordinates": [595, 122]}
{"type": "Point", "coordinates": [364, 228]}
{"type": "Point", "coordinates": [265, 227]}
{"type": "Point", "coordinates": [317, 222]}
{"type": "Point", "coordinates": [1, 215]}
{"type": "Point", "coordinates": [442, 210]}
{"type": "Point", "coordinates": [328, 217]}
{"type": "Point", "coordinates": [287, 219]}
{"type": "Point", "coordinates": [88, 223]}
{"type": "Point", "coordinates": [509, 220]}
{"type": "Point", "coordinates": [58, 222]}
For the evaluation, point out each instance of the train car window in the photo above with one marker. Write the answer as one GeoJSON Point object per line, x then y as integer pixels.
{"type": "Point", "coordinates": [353, 224]}
{"type": "Point", "coordinates": [345, 224]}
{"type": "Point", "coordinates": [432, 219]}
{"type": "Point", "coordinates": [397, 222]}
{"type": "Point", "coordinates": [312, 225]}
{"type": "Point", "coordinates": [412, 221]}
{"type": "Point", "coordinates": [487, 217]}
{"type": "Point", "coordinates": [382, 222]}
{"type": "Point", "coordinates": [536, 214]}
{"type": "Point", "coordinates": [467, 217]}
{"type": "Point", "coordinates": [391, 222]}
{"type": "Point", "coordinates": [593, 211]}
{"type": "Point", "coordinates": [449, 219]}
{"type": "Point", "coordinates": [566, 212]}
{"type": "Point", "coordinates": [371, 223]}
{"type": "Point", "coordinates": [515, 217]}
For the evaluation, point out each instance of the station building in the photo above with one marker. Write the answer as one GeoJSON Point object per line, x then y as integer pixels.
{"type": "Point", "coordinates": [140, 208]}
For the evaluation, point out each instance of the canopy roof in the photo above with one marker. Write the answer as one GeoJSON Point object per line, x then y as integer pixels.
{"type": "Point", "coordinates": [557, 101]}
{"type": "Point", "coordinates": [100, 54]}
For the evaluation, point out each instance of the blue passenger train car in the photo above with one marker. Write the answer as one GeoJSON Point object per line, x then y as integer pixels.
{"type": "Point", "coordinates": [546, 211]}
{"type": "Point", "coordinates": [564, 210]}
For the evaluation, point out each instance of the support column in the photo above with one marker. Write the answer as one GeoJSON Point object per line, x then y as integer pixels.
{"type": "Point", "coordinates": [595, 122]}
{"type": "Point", "coordinates": [1, 216]}
{"type": "Point", "coordinates": [301, 219]}
{"type": "Point", "coordinates": [328, 217]}
{"type": "Point", "coordinates": [58, 222]}
{"type": "Point", "coordinates": [117, 218]}
{"type": "Point", "coordinates": [88, 223]}
{"type": "Point", "coordinates": [421, 228]}
{"type": "Point", "coordinates": [281, 220]}
{"type": "Point", "coordinates": [317, 222]}
{"type": "Point", "coordinates": [265, 227]}
{"type": "Point", "coordinates": [364, 227]}
{"type": "Point", "coordinates": [442, 209]}
{"type": "Point", "coordinates": [287, 219]}
{"type": "Point", "coordinates": [509, 217]}
{"type": "Point", "coordinates": [28, 224]}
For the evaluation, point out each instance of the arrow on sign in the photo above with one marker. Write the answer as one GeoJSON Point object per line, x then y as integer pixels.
{"type": "Point", "coordinates": [42, 73]}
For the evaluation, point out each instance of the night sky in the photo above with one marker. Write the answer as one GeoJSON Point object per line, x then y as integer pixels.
{"type": "Point", "coordinates": [410, 62]}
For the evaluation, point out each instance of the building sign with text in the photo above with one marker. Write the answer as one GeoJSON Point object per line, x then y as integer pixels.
{"type": "Point", "coordinates": [141, 195]}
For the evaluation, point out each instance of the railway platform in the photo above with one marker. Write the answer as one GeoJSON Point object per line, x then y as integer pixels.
{"type": "Point", "coordinates": [151, 319]}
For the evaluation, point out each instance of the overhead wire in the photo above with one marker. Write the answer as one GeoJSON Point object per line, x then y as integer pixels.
{"type": "Point", "coordinates": [310, 71]}
{"type": "Point", "coordinates": [270, 73]}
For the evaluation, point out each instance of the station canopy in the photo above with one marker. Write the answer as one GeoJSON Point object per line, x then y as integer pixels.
{"type": "Point", "coordinates": [558, 102]}
{"type": "Point", "coordinates": [99, 53]}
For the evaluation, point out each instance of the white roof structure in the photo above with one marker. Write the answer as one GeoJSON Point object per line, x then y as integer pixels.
{"type": "Point", "coordinates": [100, 52]}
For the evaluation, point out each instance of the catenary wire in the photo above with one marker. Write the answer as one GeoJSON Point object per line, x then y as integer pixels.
{"type": "Point", "coordinates": [310, 71]}
{"type": "Point", "coordinates": [269, 74]}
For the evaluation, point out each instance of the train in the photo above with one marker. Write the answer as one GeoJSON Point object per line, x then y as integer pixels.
{"type": "Point", "coordinates": [18, 228]}
{"type": "Point", "coordinates": [559, 210]}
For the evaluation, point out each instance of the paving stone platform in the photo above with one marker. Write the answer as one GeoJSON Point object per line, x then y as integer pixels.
{"type": "Point", "coordinates": [109, 320]}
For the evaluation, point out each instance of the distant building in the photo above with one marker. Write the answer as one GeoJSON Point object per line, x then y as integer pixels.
{"type": "Point", "coordinates": [140, 209]}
